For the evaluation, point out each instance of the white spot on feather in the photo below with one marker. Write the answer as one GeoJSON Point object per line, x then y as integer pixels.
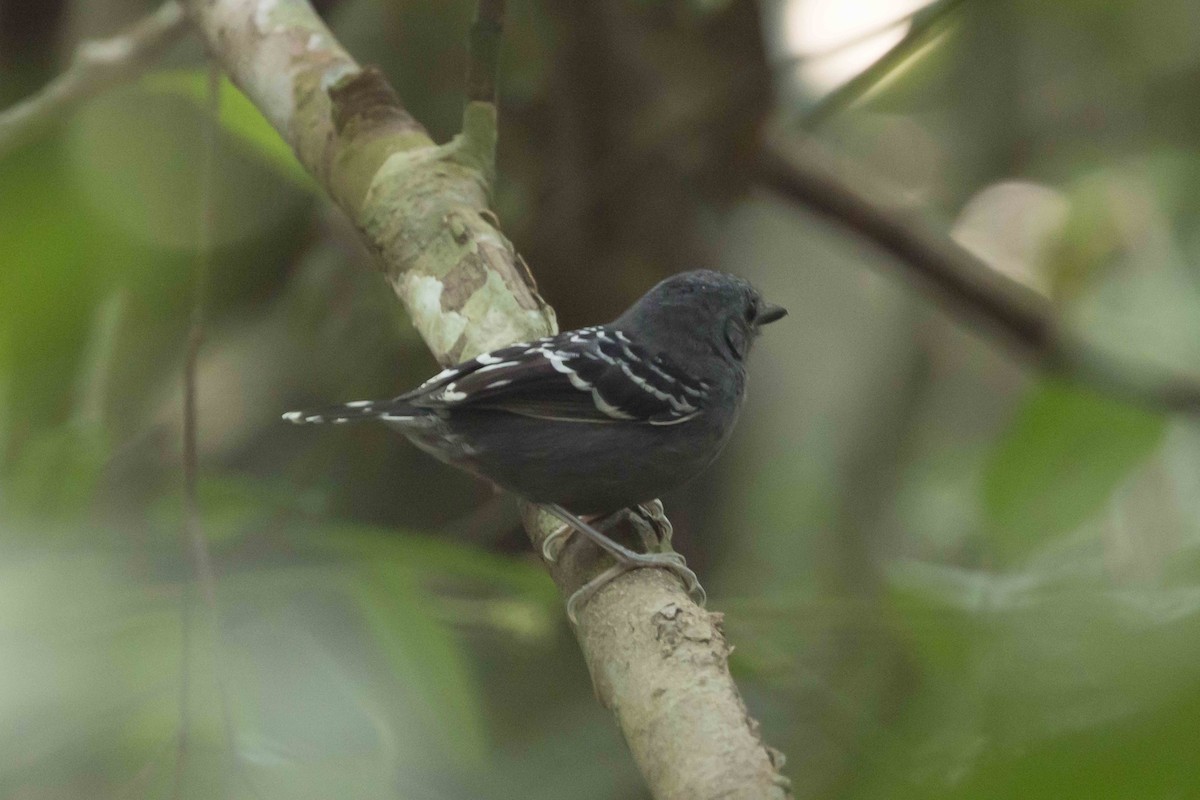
{"type": "Point", "coordinates": [608, 408]}
{"type": "Point", "coordinates": [675, 421]}
{"type": "Point", "coordinates": [676, 403]}
{"type": "Point", "coordinates": [499, 365]}
{"type": "Point", "coordinates": [450, 395]}
{"type": "Point", "coordinates": [441, 376]}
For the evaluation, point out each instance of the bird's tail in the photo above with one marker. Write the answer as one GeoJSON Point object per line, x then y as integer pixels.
{"type": "Point", "coordinates": [356, 411]}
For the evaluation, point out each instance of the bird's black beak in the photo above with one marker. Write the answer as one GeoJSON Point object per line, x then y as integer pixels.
{"type": "Point", "coordinates": [769, 313]}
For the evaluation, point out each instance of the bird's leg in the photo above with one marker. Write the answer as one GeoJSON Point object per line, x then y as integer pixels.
{"type": "Point", "coordinates": [556, 540]}
{"type": "Point", "coordinates": [626, 560]}
{"type": "Point", "coordinates": [655, 529]}
{"type": "Point", "coordinates": [652, 527]}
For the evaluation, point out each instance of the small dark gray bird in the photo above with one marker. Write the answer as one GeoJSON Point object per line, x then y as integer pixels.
{"type": "Point", "coordinates": [598, 420]}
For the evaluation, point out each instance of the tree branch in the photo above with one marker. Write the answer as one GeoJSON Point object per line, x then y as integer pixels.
{"type": "Point", "coordinates": [96, 66]}
{"type": "Point", "coordinates": [658, 661]}
{"type": "Point", "coordinates": [966, 285]}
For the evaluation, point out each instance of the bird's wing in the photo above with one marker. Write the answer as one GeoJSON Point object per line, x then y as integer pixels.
{"type": "Point", "coordinates": [595, 375]}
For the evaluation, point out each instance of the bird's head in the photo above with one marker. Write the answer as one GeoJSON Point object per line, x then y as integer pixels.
{"type": "Point", "coordinates": [711, 313]}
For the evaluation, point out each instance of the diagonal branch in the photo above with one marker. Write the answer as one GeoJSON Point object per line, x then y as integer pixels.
{"type": "Point", "coordinates": [658, 661]}
{"type": "Point", "coordinates": [967, 286]}
{"type": "Point", "coordinates": [96, 66]}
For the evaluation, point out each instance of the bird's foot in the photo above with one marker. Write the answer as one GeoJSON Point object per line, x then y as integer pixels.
{"type": "Point", "coordinates": [652, 525]}
{"type": "Point", "coordinates": [671, 562]}
{"type": "Point", "coordinates": [655, 532]}
{"type": "Point", "coordinates": [648, 519]}
{"type": "Point", "coordinates": [556, 540]}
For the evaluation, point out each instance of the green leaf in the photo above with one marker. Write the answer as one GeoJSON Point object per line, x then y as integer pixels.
{"type": "Point", "coordinates": [57, 474]}
{"type": "Point", "coordinates": [91, 662]}
{"type": "Point", "coordinates": [6, 370]}
{"type": "Point", "coordinates": [1064, 454]}
{"type": "Point", "coordinates": [1039, 684]}
{"type": "Point", "coordinates": [238, 116]}
{"type": "Point", "coordinates": [230, 507]}
{"type": "Point", "coordinates": [434, 557]}
{"type": "Point", "coordinates": [423, 657]}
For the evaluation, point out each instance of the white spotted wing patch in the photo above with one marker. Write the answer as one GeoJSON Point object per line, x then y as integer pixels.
{"type": "Point", "coordinates": [594, 374]}
{"type": "Point", "coordinates": [354, 411]}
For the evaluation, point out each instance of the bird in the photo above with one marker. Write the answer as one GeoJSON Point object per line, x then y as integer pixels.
{"type": "Point", "coordinates": [594, 423]}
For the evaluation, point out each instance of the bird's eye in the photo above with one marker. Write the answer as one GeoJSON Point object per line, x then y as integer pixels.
{"type": "Point", "coordinates": [751, 312]}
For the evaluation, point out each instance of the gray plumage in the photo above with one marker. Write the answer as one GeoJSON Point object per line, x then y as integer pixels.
{"type": "Point", "coordinates": [597, 419]}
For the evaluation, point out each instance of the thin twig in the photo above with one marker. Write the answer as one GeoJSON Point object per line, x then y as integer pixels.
{"type": "Point", "coordinates": [966, 285]}
{"type": "Point", "coordinates": [484, 57]}
{"type": "Point", "coordinates": [96, 66]}
{"type": "Point", "coordinates": [195, 542]}
{"type": "Point", "coordinates": [927, 24]}
{"type": "Point", "coordinates": [476, 145]}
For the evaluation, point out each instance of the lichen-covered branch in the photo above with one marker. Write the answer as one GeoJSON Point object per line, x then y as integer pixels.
{"type": "Point", "coordinates": [96, 66]}
{"type": "Point", "coordinates": [658, 660]}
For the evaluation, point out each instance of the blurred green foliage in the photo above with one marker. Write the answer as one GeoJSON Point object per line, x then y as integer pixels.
{"type": "Point", "coordinates": [1066, 451]}
{"type": "Point", "coordinates": [944, 577]}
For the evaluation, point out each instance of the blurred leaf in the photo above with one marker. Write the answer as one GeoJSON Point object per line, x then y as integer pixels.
{"type": "Point", "coordinates": [1090, 241]}
{"type": "Point", "coordinates": [307, 722]}
{"type": "Point", "coordinates": [423, 657]}
{"type": "Point", "coordinates": [231, 506]}
{"type": "Point", "coordinates": [1065, 452]}
{"type": "Point", "coordinates": [96, 369]}
{"type": "Point", "coordinates": [239, 117]}
{"type": "Point", "coordinates": [70, 622]}
{"type": "Point", "coordinates": [1040, 685]}
{"type": "Point", "coordinates": [46, 283]}
{"type": "Point", "coordinates": [57, 473]}
{"type": "Point", "coordinates": [430, 557]}
{"type": "Point", "coordinates": [6, 420]}
{"type": "Point", "coordinates": [138, 160]}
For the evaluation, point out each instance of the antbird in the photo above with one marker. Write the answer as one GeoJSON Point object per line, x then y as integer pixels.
{"type": "Point", "coordinates": [593, 422]}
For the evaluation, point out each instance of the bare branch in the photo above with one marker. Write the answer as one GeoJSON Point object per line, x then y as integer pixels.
{"type": "Point", "coordinates": [485, 51]}
{"type": "Point", "coordinates": [964, 284]}
{"type": "Point", "coordinates": [658, 660]}
{"type": "Point", "coordinates": [195, 543]}
{"type": "Point", "coordinates": [96, 66]}
{"type": "Point", "coordinates": [479, 132]}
